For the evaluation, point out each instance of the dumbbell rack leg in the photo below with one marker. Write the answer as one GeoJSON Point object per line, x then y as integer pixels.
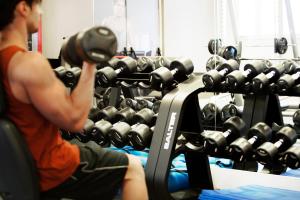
{"type": "Point", "coordinates": [177, 109]}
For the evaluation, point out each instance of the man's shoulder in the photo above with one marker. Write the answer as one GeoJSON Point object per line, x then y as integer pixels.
{"type": "Point", "coordinates": [30, 59]}
{"type": "Point", "coordinates": [28, 65]}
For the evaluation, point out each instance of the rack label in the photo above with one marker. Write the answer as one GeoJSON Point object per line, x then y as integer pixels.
{"type": "Point", "coordinates": [170, 130]}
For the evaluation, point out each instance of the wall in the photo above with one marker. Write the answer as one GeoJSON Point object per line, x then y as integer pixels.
{"type": "Point", "coordinates": [142, 22]}
{"type": "Point", "coordinates": [63, 18]}
{"type": "Point", "coordinates": [188, 26]}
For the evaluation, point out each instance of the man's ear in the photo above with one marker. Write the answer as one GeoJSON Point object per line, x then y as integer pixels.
{"type": "Point", "coordinates": [22, 9]}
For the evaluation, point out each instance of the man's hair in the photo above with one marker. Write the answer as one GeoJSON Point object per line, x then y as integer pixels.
{"type": "Point", "coordinates": [7, 8]}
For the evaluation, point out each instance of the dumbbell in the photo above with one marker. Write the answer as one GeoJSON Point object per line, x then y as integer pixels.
{"type": "Point", "coordinates": [163, 77]}
{"type": "Point", "coordinates": [228, 52]}
{"type": "Point", "coordinates": [216, 76]}
{"type": "Point", "coordinates": [107, 75]}
{"type": "Point", "coordinates": [237, 78]}
{"type": "Point", "coordinates": [296, 118]}
{"type": "Point", "coordinates": [66, 135]}
{"type": "Point", "coordinates": [214, 62]}
{"type": "Point", "coordinates": [230, 110]}
{"type": "Point", "coordinates": [289, 80]}
{"type": "Point", "coordinates": [144, 103]}
{"type": "Point", "coordinates": [88, 133]}
{"type": "Point", "coordinates": [95, 45]}
{"type": "Point", "coordinates": [210, 113]}
{"type": "Point", "coordinates": [108, 113]}
{"type": "Point", "coordinates": [216, 141]}
{"type": "Point", "coordinates": [140, 136]}
{"type": "Point", "coordinates": [103, 118]}
{"type": "Point", "coordinates": [72, 76]}
{"type": "Point", "coordinates": [111, 63]}
{"type": "Point", "coordinates": [119, 132]}
{"type": "Point", "coordinates": [291, 157]}
{"type": "Point", "coordinates": [242, 147]}
{"type": "Point", "coordinates": [145, 64]}
{"type": "Point", "coordinates": [84, 135]}
{"type": "Point", "coordinates": [129, 102]}
{"type": "Point", "coordinates": [267, 152]}
{"type": "Point", "coordinates": [263, 80]}
{"type": "Point", "coordinates": [60, 72]}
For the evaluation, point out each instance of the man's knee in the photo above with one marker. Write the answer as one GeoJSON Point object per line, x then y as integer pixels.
{"type": "Point", "coordinates": [135, 169]}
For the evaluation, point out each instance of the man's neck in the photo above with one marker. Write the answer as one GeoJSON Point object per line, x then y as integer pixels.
{"type": "Point", "coordinates": [14, 35]}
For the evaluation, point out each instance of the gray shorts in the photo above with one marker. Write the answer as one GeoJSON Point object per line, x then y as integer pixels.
{"type": "Point", "coordinates": [99, 175]}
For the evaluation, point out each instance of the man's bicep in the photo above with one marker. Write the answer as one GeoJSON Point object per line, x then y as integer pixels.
{"type": "Point", "coordinates": [51, 99]}
{"type": "Point", "coordinates": [47, 93]}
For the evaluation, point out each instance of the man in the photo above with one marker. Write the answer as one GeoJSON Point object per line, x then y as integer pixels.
{"type": "Point", "coordinates": [39, 104]}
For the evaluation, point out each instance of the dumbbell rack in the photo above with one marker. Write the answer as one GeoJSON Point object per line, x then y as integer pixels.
{"type": "Point", "coordinates": [127, 86]}
{"type": "Point", "coordinates": [180, 112]}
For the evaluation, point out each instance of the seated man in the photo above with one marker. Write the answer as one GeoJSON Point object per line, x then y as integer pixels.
{"type": "Point", "coordinates": [39, 105]}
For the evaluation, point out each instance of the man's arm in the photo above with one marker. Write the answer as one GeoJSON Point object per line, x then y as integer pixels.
{"type": "Point", "coordinates": [49, 95]}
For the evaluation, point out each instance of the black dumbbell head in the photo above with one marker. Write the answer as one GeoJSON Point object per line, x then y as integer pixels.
{"type": "Point", "coordinates": [118, 134]}
{"type": "Point", "coordinates": [128, 64]}
{"type": "Point", "coordinates": [235, 124]}
{"type": "Point", "coordinates": [210, 78]}
{"type": "Point", "coordinates": [292, 157]}
{"type": "Point", "coordinates": [214, 141]}
{"type": "Point", "coordinates": [99, 133]}
{"type": "Point", "coordinates": [96, 45]}
{"type": "Point", "coordinates": [143, 116]}
{"type": "Point", "coordinates": [108, 113]}
{"type": "Point", "coordinates": [285, 82]}
{"type": "Point", "coordinates": [72, 76]}
{"type": "Point", "coordinates": [94, 114]}
{"type": "Point", "coordinates": [228, 111]}
{"type": "Point", "coordinates": [287, 134]}
{"type": "Point", "coordinates": [145, 64]}
{"type": "Point", "coordinates": [228, 52]}
{"type": "Point", "coordinates": [159, 77]}
{"type": "Point", "coordinates": [113, 62]}
{"type": "Point", "coordinates": [266, 153]}
{"type": "Point", "coordinates": [126, 114]}
{"type": "Point", "coordinates": [256, 67]}
{"type": "Point", "coordinates": [235, 79]}
{"type": "Point", "coordinates": [296, 118]}
{"type": "Point", "coordinates": [210, 112]}
{"type": "Point", "coordinates": [262, 131]}
{"type": "Point", "coordinates": [259, 82]}
{"type": "Point", "coordinates": [156, 106]}
{"type": "Point", "coordinates": [214, 45]}
{"type": "Point", "coordinates": [140, 136]}
{"type": "Point", "coordinates": [213, 62]}
{"type": "Point", "coordinates": [66, 135]}
{"type": "Point", "coordinates": [84, 136]}
{"type": "Point", "coordinates": [68, 52]}
{"type": "Point", "coordinates": [106, 76]}
{"type": "Point", "coordinates": [230, 65]}
{"type": "Point", "coordinates": [185, 66]}
{"type": "Point", "coordinates": [60, 72]}
{"type": "Point", "coordinates": [240, 149]}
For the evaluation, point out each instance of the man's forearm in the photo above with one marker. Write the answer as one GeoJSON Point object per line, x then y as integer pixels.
{"type": "Point", "coordinates": [83, 93]}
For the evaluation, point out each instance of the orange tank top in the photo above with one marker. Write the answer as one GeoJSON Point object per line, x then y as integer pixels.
{"type": "Point", "coordinates": [56, 159]}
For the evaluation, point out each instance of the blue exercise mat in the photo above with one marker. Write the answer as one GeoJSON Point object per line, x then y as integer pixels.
{"type": "Point", "coordinates": [178, 178]}
{"type": "Point", "coordinates": [252, 192]}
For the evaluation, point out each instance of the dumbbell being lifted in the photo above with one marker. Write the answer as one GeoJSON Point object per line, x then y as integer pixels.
{"type": "Point", "coordinates": [95, 45]}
